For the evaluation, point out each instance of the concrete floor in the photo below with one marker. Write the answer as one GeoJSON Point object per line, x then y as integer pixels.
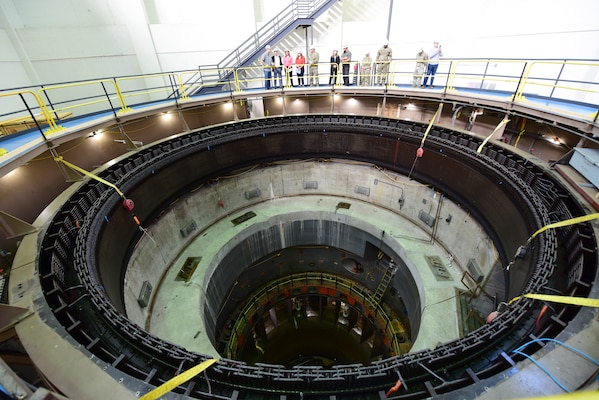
{"type": "Point", "coordinates": [177, 307]}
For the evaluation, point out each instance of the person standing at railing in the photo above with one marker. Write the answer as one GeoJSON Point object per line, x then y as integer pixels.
{"type": "Point", "coordinates": [277, 69]}
{"type": "Point", "coordinates": [300, 64]}
{"type": "Point", "coordinates": [365, 69]}
{"type": "Point", "coordinates": [346, 60]}
{"type": "Point", "coordinates": [383, 59]}
{"type": "Point", "coordinates": [434, 55]}
{"type": "Point", "coordinates": [420, 70]}
{"type": "Point", "coordinates": [288, 66]}
{"type": "Point", "coordinates": [266, 61]}
{"type": "Point", "coordinates": [313, 58]}
{"type": "Point", "coordinates": [335, 61]}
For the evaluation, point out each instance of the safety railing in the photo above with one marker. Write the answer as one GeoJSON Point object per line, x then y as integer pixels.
{"type": "Point", "coordinates": [549, 83]}
{"type": "Point", "coordinates": [88, 97]}
{"type": "Point", "coordinates": [315, 279]}
{"type": "Point", "coordinates": [495, 75]}
{"type": "Point", "coordinates": [34, 114]}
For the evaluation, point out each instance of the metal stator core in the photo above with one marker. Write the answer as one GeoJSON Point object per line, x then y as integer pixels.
{"type": "Point", "coordinates": [507, 194]}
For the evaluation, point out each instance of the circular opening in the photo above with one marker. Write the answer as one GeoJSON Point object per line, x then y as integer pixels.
{"type": "Point", "coordinates": [304, 278]}
{"type": "Point", "coordinates": [300, 306]}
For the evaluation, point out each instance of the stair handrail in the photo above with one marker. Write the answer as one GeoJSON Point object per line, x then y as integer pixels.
{"type": "Point", "coordinates": [297, 9]}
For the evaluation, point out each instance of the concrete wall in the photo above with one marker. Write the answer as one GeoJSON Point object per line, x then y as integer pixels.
{"type": "Point", "coordinates": [461, 237]}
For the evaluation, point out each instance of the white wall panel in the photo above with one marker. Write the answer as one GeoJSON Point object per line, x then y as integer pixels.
{"type": "Point", "coordinates": [190, 60]}
{"type": "Point", "coordinates": [75, 43]}
{"type": "Point", "coordinates": [9, 53]}
{"type": "Point", "coordinates": [53, 71]}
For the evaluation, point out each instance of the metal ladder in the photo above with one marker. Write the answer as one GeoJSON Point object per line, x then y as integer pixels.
{"type": "Point", "coordinates": [385, 281]}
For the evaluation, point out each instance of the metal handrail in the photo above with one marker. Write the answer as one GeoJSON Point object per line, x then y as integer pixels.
{"type": "Point", "coordinates": [44, 92]}
{"type": "Point", "coordinates": [47, 116]}
{"type": "Point", "coordinates": [297, 9]}
{"type": "Point", "coordinates": [557, 80]}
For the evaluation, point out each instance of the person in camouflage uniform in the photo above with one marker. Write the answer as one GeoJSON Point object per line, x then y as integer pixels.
{"type": "Point", "coordinates": [420, 69]}
{"type": "Point", "coordinates": [383, 59]}
{"type": "Point", "coordinates": [313, 58]}
{"type": "Point", "coordinates": [365, 69]}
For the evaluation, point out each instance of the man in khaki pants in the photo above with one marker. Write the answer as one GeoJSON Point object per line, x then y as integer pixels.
{"type": "Point", "coordinates": [313, 58]}
{"type": "Point", "coordinates": [383, 59]}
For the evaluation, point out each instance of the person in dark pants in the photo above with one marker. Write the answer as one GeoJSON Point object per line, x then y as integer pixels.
{"type": "Point", "coordinates": [300, 63]}
{"type": "Point", "coordinates": [277, 70]}
{"type": "Point", "coordinates": [335, 61]}
{"type": "Point", "coordinates": [266, 61]}
{"type": "Point", "coordinates": [345, 60]}
{"type": "Point", "coordinates": [434, 55]}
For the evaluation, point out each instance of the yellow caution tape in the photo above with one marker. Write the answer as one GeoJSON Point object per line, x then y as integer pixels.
{"type": "Point", "coordinates": [567, 222]}
{"type": "Point", "coordinates": [89, 174]}
{"type": "Point", "coordinates": [177, 380]}
{"type": "Point", "coordinates": [577, 301]}
{"type": "Point", "coordinates": [503, 122]}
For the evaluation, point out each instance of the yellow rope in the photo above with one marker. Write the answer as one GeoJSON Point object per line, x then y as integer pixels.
{"type": "Point", "coordinates": [178, 380]}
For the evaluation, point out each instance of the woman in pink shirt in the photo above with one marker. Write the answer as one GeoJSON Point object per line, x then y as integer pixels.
{"type": "Point", "coordinates": [288, 65]}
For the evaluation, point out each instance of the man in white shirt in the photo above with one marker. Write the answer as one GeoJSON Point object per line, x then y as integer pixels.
{"type": "Point", "coordinates": [434, 55]}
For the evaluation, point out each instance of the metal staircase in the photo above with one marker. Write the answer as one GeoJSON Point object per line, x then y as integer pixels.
{"type": "Point", "coordinates": [385, 281]}
{"type": "Point", "coordinates": [299, 13]}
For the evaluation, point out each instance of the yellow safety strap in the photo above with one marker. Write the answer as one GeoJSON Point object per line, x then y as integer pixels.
{"type": "Point", "coordinates": [503, 122]}
{"type": "Point", "coordinates": [577, 301]}
{"type": "Point", "coordinates": [430, 125]}
{"type": "Point", "coordinates": [178, 380]}
{"type": "Point", "coordinates": [567, 222]}
{"type": "Point", "coordinates": [89, 174]}
{"type": "Point", "coordinates": [522, 130]}
{"type": "Point", "coordinates": [581, 394]}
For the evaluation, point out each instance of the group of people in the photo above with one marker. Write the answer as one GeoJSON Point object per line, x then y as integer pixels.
{"type": "Point", "coordinates": [277, 67]}
{"type": "Point", "coordinates": [426, 66]}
